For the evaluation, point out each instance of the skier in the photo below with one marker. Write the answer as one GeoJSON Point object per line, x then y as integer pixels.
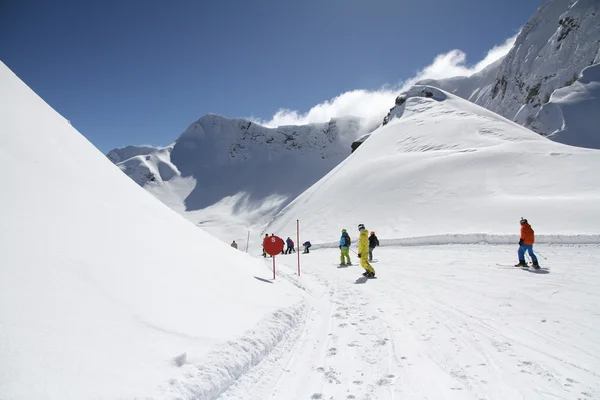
{"type": "Point", "coordinates": [363, 249]}
{"type": "Point", "coordinates": [373, 242]}
{"type": "Point", "coordinates": [526, 244]}
{"type": "Point", "coordinates": [264, 251]}
{"type": "Point", "coordinates": [307, 246]}
{"type": "Point", "coordinates": [290, 246]}
{"type": "Point", "coordinates": [234, 244]}
{"type": "Point", "coordinates": [345, 243]}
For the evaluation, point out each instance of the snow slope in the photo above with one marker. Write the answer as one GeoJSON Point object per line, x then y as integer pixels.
{"type": "Point", "coordinates": [104, 291]}
{"type": "Point", "coordinates": [232, 175]}
{"type": "Point", "coordinates": [555, 45]}
{"type": "Point", "coordinates": [443, 166]}
{"type": "Point", "coordinates": [574, 109]}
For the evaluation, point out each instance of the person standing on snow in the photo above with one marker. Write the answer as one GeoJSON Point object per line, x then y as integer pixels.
{"type": "Point", "coordinates": [526, 244]}
{"type": "Point", "coordinates": [363, 252]}
{"type": "Point", "coordinates": [345, 243]}
{"type": "Point", "coordinates": [264, 251]}
{"type": "Point", "coordinates": [234, 244]}
{"type": "Point", "coordinates": [373, 242]}
{"type": "Point", "coordinates": [290, 246]}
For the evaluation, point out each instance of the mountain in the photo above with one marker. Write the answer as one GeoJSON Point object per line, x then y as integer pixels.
{"type": "Point", "coordinates": [232, 175]}
{"type": "Point", "coordinates": [559, 41]}
{"type": "Point", "coordinates": [104, 291]}
{"type": "Point", "coordinates": [445, 169]}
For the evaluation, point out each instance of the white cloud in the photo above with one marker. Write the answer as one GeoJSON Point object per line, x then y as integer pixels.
{"type": "Point", "coordinates": [373, 105]}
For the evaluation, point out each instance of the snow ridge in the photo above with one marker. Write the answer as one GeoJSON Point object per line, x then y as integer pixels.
{"type": "Point", "coordinates": [210, 376]}
{"type": "Point", "coordinates": [554, 46]}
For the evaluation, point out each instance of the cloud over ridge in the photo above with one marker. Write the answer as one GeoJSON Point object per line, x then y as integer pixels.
{"type": "Point", "coordinates": [373, 105]}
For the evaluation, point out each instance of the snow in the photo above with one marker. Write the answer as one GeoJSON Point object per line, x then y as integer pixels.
{"type": "Point", "coordinates": [231, 176]}
{"type": "Point", "coordinates": [575, 110]}
{"type": "Point", "coordinates": [441, 322]}
{"type": "Point", "coordinates": [105, 292]}
{"type": "Point", "coordinates": [103, 288]}
{"type": "Point", "coordinates": [445, 166]}
{"type": "Point", "coordinates": [555, 45]}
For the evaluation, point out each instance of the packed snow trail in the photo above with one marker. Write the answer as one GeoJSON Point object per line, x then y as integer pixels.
{"type": "Point", "coordinates": [440, 322]}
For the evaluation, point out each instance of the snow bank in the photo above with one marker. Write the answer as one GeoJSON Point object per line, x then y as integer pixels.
{"type": "Point", "coordinates": [477, 238]}
{"type": "Point", "coordinates": [102, 287]}
{"type": "Point", "coordinates": [212, 375]}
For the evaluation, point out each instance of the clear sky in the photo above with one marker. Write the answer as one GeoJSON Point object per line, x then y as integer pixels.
{"type": "Point", "coordinates": [139, 72]}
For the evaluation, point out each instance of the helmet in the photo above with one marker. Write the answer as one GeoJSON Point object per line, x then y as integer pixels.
{"type": "Point", "coordinates": [523, 220]}
{"type": "Point", "coordinates": [372, 233]}
{"type": "Point", "coordinates": [361, 227]}
{"type": "Point", "coordinates": [343, 230]}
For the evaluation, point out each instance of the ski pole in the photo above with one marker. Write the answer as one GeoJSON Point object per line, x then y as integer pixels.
{"type": "Point", "coordinates": [537, 253]}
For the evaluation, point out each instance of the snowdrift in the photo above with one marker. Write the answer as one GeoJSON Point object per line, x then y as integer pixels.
{"type": "Point", "coordinates": [444, 167]}
{"type": "Point", "coordinates": [104, 291]}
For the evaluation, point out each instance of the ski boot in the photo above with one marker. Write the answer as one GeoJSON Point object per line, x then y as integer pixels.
{"type": "Point", "coordinates": [536, 265]}
{"type": "Point", "coordinates": [370, 274]}
{"type": "Point", "coordinates": [521, 264]}
{"type": "Point", "coordinates": [366, 274]}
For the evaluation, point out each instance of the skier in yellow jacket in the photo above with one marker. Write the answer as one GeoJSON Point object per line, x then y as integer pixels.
{"type": "Point", "coordinates": [363, 251]}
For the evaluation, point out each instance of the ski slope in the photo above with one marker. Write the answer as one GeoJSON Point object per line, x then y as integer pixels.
{"type": "Point", "coordinates": [445, 170]}
{"type": "Point", "coordinates": [105, 292]}
{"type": "Point", "coordinates": [440, 322]}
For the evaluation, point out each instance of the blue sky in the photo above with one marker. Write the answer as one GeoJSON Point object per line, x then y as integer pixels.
{"type": "Point", "coordinates": [139, 72]}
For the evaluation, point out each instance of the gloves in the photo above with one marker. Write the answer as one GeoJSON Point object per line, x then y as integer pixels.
{"type": "Point", "coordinates": [358, 255]}
{"type": "Point", "coordinates": [520, 242]}
{"type": "Point", "coordinates": [340, 246]}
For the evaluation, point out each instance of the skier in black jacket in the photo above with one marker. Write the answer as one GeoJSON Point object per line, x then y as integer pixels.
{"type": "Point", "coordinates": [373, 242]}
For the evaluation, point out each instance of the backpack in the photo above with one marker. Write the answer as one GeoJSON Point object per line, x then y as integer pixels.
{"type": "Point", "coordinates": [347, 240]}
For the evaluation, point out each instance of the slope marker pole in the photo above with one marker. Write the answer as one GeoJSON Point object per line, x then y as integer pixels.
{"type": "Point", "coordinates": [298, 243]}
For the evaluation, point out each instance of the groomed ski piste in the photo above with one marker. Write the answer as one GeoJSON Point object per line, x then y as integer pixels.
{"type": "Point", "coordinates": [107, 293]}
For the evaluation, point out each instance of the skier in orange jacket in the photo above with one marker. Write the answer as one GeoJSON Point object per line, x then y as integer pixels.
{"type": "Point", "coordinates": [526, 244]}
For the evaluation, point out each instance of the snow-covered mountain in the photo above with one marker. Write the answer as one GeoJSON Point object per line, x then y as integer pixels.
{"type": "Point", "coordinates": [104, 291]}
{"type": "Point", "coordinates": [559, 41]}
{"type": "Point", "coordinates": [445, 166]}
{"type": "Point", "coordinates": [229, 175]}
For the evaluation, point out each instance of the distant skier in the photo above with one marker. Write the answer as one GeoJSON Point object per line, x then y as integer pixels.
{"type": "Point", "coordinates": [290, 246]}
{"type": "Point", "coordinates": [264, 251]}
{"type": "Point", "coordinates": [307, 246]}
{"type": "Point", "coordinates": [526, 244]}
{"type": "Point", "coordinates": [234, 244]}
{"type": "Point", "coordinates": [345, 243]}
{"type": "Point", "coordinates": [363, 252]}
{"type": "Point", "coordinates": [373, 242]}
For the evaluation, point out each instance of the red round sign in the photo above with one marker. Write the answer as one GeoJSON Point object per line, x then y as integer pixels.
{"type": "Point", "coordinates": [273, 245]}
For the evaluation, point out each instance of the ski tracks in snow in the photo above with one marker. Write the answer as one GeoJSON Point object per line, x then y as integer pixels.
{"type": "Point", "coordinates": [453, 328]}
